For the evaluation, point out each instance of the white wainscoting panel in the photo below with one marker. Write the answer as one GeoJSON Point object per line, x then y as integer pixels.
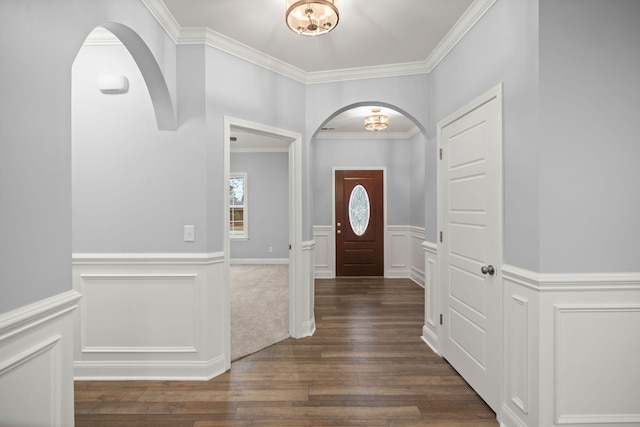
{"type": "Point", "coordinates": [140, 313]}
{"type": "Point", "coordinates": [397, 251]}
{"type": "Point", "coordinates": [36, 363]}
{"type": "Point", "coordinates": [324, 252]}
{"type": "Point", "coordinates": [597, 369]}
{"type": "Point", "coordinates": [302, 294]}
{"type": "Point", "coordinates": [150, 316]}
{"type": "Point", "coordinates": [403, 254]}
{"type": "Point", "coordinates": [571, 349]}
{"type": "Point", "coordinates": [431, 312]}
{"type": "Point", "coordinates": [416, 254]}
{"type": "Point", "coordinates": [517, 325]}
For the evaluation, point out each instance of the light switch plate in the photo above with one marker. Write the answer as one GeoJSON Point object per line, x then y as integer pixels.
{"type": "Point", "coordinates": [189, 233]}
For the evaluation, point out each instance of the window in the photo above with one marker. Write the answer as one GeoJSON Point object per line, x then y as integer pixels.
{"type": "Point", "coordinates": [238, 206]}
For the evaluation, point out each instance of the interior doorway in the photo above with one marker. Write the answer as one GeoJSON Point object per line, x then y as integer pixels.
{"type": "Point", "coordinates": [277, 139]}
{"type": "Point", "coordinates": [359, 222]}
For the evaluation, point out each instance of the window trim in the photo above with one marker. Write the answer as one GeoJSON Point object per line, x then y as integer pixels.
{"type": "Point", "coordinates": [244, 235]}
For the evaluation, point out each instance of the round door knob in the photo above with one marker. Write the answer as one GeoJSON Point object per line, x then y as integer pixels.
{"type": "Point", "coordinates": [339, 224]}
{"type": "Point", "coordinates": [488, 269]}
{"type": "Point", "coordinates": [339, 231]}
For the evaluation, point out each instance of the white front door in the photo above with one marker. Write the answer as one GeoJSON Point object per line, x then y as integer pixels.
{"type": "Point", "coordinates": [470, 219]}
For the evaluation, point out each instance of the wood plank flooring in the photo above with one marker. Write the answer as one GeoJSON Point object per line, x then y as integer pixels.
{"type": "Point", "coordinates": [365, 366]}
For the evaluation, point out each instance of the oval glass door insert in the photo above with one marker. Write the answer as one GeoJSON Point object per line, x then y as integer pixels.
{"type": "Point", "coordinates": [359, 210]}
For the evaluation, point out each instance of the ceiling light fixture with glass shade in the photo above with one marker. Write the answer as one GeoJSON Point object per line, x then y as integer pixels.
{"type": "Point", "coordinates": [312, 17]}
{"type": "Point", "coordinates": [376, 121]}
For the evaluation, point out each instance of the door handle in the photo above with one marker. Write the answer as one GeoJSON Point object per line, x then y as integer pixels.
{"type": "Point", "coordinates": [488, 269]}
{"type": "Point", "coordinates": [339, 232]}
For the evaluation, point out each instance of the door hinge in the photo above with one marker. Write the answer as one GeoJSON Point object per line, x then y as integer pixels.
{"type": "Point", "coordinates": [441, 237]}
{"type": "Point", "coordinates": [289, 246]}
{"type": "Point", "coordinates": [441, 154]}
{"type": "Point", "coordinates": [441, 319]}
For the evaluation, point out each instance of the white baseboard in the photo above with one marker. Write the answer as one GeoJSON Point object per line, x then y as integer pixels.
{"type": "Point", "coordinates": [36, 363]}
{"type": "Point", "coordinates": [148, 370]}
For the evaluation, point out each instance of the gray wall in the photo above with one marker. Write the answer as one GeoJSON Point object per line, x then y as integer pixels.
{"type": "Point", "coordinates": [502, 47]}
{"type": "Point", "coordinates": [35, 135]}
{"type": "Point", "coordinates": [590, 111]}
{"type": "Point", "coordinates": [395, 155]}
{"type": "Point", "coordinates": [268, 205]}
{"type": "Point", "coordinates": [240, 89]}
{"type": "Point", "coordinates": [419, 186]}
{"type": "Point", "coordinates": [134, 187]}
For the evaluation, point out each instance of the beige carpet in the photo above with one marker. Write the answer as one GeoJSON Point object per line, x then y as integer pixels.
{"type": "Point", "coordinates": [259, 307]}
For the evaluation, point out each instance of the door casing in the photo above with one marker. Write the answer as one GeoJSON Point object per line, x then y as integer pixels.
{"type": "Point", "coordinates": [296, 296]}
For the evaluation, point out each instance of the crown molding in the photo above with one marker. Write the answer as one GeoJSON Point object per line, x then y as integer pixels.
{"type": "Point", "coordinates": [466, 22]}
{"type": "Point", "coordinates": [180, 35]}
{"type": "Point", "coordinates": [377, 71]}
{"type": "Point", "coordinates": [161, 13]}
{"type": "Point", "coordinates": [240, 50]}
{"type": "Point", "coordinates": [368, 134]}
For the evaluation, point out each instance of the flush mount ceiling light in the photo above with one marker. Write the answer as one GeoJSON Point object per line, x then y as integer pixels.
{"type": "Point", "coordinates": [312, 17]}
{"type": "Point", "coordinates": [376, 121]}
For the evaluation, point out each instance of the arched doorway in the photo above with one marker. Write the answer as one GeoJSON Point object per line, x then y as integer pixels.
{"type": "Point", "coordinates": [343, 143]}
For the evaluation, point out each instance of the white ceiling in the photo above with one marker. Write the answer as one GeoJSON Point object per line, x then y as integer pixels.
{"type": "Point", "coordinates": [371, 35]}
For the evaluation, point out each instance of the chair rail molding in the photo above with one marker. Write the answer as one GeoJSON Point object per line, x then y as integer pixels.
{"type": "Point", "coordinates": [36, 362]}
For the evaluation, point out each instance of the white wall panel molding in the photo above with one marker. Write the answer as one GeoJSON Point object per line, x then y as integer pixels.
{"type": "Point", "coordinates": [416, 255]}
{"type": "Point", "coordinates": [302, 290]}
{"type": "Point", "coordinates": [36, 360]}
{"type": "Point", "coordinates": [403, 252]}
{"type": "Point", "coordinates": [571, 345]}
{"type": "Point", "coordinates": [430, 328]}
{"type": "Point", "coordinates": [21, 320]}
{"type": "Point", "coordinates": [324, 255]}
{"type": "Point", "coordinates": [597, 384]}
{"type": "Point", "coordinates": [157, 316]}
{"type": "Point", "coordinates": [517, 360]}
{"type": "Point", "coordinates": [397, 251]}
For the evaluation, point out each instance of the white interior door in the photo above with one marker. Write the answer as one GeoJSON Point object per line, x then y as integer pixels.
{"type": "Point", "coordinates": [470, 185]}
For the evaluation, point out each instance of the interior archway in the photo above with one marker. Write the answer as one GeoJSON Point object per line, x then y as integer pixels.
{"type": "Point", "coordinates": [342, 142]}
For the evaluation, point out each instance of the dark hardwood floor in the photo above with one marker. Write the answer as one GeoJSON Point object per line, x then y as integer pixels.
{"type": "Point", "coordinates": [365, 366]}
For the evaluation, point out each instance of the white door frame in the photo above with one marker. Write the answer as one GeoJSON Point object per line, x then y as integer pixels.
{"type": "Point", "coordinates": [332, 241]}
{"type": "Point", "coordinates": [441, 297]}
{"type": "Point", "coordinates": [296, 304]}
